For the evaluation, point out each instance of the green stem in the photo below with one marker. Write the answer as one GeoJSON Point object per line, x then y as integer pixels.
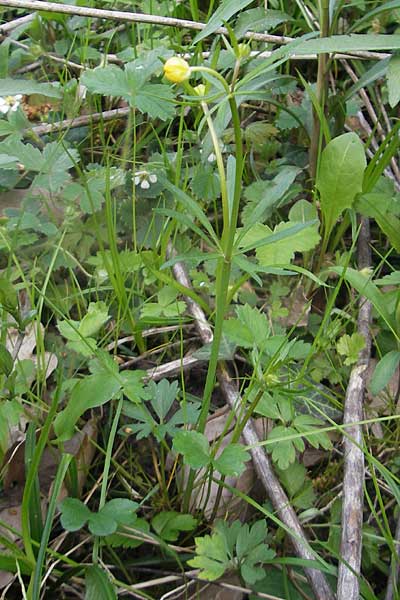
{"type": "Point", "coordinates": [320, 92]}
{"type": "Point", "coordinates": [107, 463]}
{"type": "Point", "coordinates": [222, 283]}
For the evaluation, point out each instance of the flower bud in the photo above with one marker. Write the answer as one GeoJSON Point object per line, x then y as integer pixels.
{"type": "Point", "coordinates": [176, 69]}
{"type": "Point", "coordinates": [243, 50]}
{"type": "Point", "coordinates": [200, 90]}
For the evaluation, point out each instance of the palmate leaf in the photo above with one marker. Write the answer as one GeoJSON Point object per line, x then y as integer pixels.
{"type": "Point", "coordinates": [155, 99]}
{"type": "Point", "coordinates": [11, 87]}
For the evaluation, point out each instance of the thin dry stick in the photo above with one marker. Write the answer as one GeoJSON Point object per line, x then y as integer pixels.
{"type": "Point", "coordinates": [260, 459]}
{"type": "Point", "coordinates": [117, 15]}
{"type": "Point", "coordinates": [7, 27]}
{"type": "Point", "coordinates": [394, 569]}
{"type": "Point", "coordinates": [348, 587]}
{"type": "Point", "coordinates": [84, 11]}
{"type": "Point", "coordinates": [107, 115]}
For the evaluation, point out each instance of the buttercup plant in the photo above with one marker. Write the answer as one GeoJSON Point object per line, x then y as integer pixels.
{"type": "Point", "coordinates": [177, 70]}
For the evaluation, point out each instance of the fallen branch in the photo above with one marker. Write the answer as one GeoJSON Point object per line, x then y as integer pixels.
{"type": "Point", "coordinates": [260, 459]}
{"type": "Point", "coordinates": [353, 496]}
{"type": "Point", "coordinates": [117, 15]}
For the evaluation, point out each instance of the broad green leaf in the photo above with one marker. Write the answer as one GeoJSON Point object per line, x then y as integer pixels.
{"type": "Point", "coordinates": [6, 361]}
{"type": "Point", "coordinates": [340, 176]}
{"type": "Point", "coordinates": [90, 392]}
{"type": "Point", "coordinates": [169, 524]}
{"type": "Point", "coordinates": [262, 196]}
{"type": "Point", "coordinates": [120, 509]}
{"type": "Point", "coordinates": [94, 319]}
{"type": "Point", "coordinates": [155, 99]}
{"type": "Point", "coordinates": [211, 557]}
{"type": "Point", "coordinates": [350, 346]}
{"type": "Point", "coordinates": [250, 328]}
{"type": "Point", "coordinates": [283, 251]}
{"type": "Point", "coordinates": [349, 43]}
{"type": "Point", "coordinates": [195, 448]}
{"type": "Point", "coordinates": [74, 514]}
{"type": "Point", "coordinates": [224, 12]}
{"type": "Point", "coordinates": [232, 460]}
{"type": "Point", "coordinates": [307, 424]}
{"type": "Point", "coordinates": [98, 584]}
{"type": "Point", "coordinates": [284, 451]}
{"type": "Point", "coordinates": [259, 19]}
{"type": "Point", "coordinates": [102, 523]}
{"type": "Point", "coordinates": [384, 371]}
{"type": "Point", "coordinates": [8, 162]}
{"type": "Point", "coordinates": [11, 87]}
{"type": "Point", "coordinates": [109, 81]}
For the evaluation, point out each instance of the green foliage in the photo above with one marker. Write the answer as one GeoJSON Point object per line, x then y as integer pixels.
{"type": "Point", "coordinates": [169, 524]}
{"type": "Point", "coordinates": [80, 333]}
{"type": "Point", "coordinates": [384, 371]}
{"type": "Point", "coordinates": [132, 84]}
{"type": "Point", "coordinates": [233, 547]}
{"type": "Point", "coordinates": [98, 584]}
{"type": "Point", "coordinates": [75, 515]}
{"type": "Point", "coordinates": [350, 346]}
{"type": "Point", "coordinates": [340, 176]}
{"type": "Point", "coordinates": [162, 396]}
{"type": "Point", "coordinates": [197, 454]}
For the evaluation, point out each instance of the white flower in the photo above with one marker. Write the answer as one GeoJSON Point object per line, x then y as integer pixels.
{"type": "Point", "coordinates": [211, 157]}
{"type": "Point", "coordinates": [9, 103]}
{"type": "Point", "coordinates": [145, 179]}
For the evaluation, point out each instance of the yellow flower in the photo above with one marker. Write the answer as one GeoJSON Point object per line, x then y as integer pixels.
{"type": "Point", "coordinates": [176, 69]}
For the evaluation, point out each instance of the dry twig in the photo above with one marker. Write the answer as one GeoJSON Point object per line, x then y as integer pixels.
{"type": "Point", "coordinates": [260, 459]}
{"type": "Point", "coordinates": [353, 497]}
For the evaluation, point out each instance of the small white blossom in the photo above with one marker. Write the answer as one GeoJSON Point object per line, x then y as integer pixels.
{"type": "Point", "coordinates": [211, 157]}
{"type": "Point", "coordinates": [145, 179]}
{"type": "Point", "coordinates": [9, 103]}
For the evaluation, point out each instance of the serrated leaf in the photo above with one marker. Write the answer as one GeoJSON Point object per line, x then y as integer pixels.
{"type": "Point", "coordinates": [284, 451]}
{"type": "Point", "coordinates": [350, 346]}
{"type": "Point", "coordinates": [95, 318]}
{"type": "Point", "coordinates": [393, 80]}
{"type": "Point", "coordinates": [98, 584]}
{"type": "Point", "coordinates": [211, 557]}
{"type": "Point", "coordinates": [194, 446]}
{"type": "Point", "coordinates": [384, 371]}
{"type": "Point", "coordinates": [259, 19]}
{"type": "Point", "coordinates": [109, 81]}
{"type": "Point", "coordinates": [232, 459]}
{"type": "Point", "coordinates": [307, 424]}
{"type": "Point", "coordinates": [74, 514]}
{"type": "Point", "coordinates": [340, 176]}
{"type": "Point", "coordinates": [250, 328]}
{"type": "Point", "coordinates": [169, 524]}
{"type": "Point", "coordinates": [11, 87]}
{"type": "Point", "coordinates": [283, 251]}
